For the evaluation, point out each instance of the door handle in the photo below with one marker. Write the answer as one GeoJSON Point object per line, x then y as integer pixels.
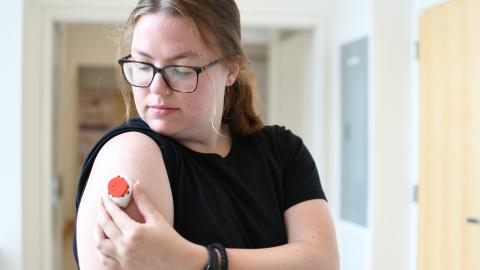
{"type": "Point", "coordinates": [475, 221]}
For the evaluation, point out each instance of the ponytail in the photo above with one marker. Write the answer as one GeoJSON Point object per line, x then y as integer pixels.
{"type": "Point", "coordinates": [239, 108]}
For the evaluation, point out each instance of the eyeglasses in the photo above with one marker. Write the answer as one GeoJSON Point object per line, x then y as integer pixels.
{"type": "Point", "coordinates": [179, 78]}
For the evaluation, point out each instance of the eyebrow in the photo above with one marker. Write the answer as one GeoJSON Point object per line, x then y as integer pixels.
{"type": "Point", "coordinates": [169, 59]}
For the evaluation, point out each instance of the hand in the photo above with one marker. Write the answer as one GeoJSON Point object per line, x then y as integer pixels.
{"type": "Point", "coordinates": [123, 243]}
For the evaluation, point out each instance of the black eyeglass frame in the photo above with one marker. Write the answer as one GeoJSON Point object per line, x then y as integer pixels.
{"type": "Point", "coordinates": [156, 70]}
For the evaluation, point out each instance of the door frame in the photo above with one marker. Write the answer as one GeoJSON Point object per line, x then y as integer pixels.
{"type": "Point", "coordinates": [38, 107]}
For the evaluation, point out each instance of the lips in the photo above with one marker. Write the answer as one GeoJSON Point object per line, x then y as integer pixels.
{"type": "Point", "coordinates": [161, 107]}
{"type": "Point", "coordinates": [161, 110]}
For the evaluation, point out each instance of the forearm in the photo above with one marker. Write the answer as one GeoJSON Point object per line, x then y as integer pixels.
{"type": "Point", "coordinates": [290, 256]}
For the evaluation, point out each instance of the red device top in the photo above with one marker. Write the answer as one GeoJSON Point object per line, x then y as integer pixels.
{"type": "Point", "coordinates": [118, 187]}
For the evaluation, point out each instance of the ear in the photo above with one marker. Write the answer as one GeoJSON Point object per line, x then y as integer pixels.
{"type": "Point", "coordinates": [234, 69]}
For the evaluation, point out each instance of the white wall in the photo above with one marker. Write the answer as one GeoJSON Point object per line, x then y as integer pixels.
{"type": "Point", "coordinates": [394, 143]}
{"type": "Point", "coordinates": [388, 24]}
{"type": "Point", "coordinates": [422, 5]}
{"type": "Point", "coordinates": [352, 20]}
{"type": "Point", "coordinates": [10, 139]}
{"type": "Point", "coordinates": [289, 95]}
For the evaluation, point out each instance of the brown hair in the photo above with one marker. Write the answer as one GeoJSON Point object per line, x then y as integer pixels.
{"type": "Point", "coordinates": [218, 23]}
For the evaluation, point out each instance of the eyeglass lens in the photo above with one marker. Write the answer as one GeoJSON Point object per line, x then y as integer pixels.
{"type": "Point", "coordinates": [182, 79]}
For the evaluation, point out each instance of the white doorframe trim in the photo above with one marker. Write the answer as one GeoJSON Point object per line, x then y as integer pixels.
{"type": "Point", "coordinates": [38, 116]}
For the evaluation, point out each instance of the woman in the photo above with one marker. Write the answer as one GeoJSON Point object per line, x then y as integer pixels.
{"type": "Point", "coordinates": [208, 171]}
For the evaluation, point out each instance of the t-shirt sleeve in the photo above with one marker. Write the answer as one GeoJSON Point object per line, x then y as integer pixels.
{"type": "Point", "coordinates": [301, 181]}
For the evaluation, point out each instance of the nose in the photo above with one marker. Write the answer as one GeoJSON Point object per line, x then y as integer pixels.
{"type": "Point", "coordinates": [159, 86]}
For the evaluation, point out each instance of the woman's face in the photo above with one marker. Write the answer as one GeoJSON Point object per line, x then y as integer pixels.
{"type": "Point", "coordinates": [170, 40]}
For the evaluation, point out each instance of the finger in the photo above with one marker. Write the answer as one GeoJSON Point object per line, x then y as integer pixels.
{"type": "Point", "coordinates": [107, 226]}
{"type": "Point", "coordinates": [109, 262]}
{"type": "Point", "coordinates": [121, 219]}
{"type": "Point", "coordinates": [105, 259]}
{"type": "Point", "coordinates": [98, 234]}
{"type": "Point", "coordinates": [145, 206]}
{"type": "Point", "coordinates": [106, 247]}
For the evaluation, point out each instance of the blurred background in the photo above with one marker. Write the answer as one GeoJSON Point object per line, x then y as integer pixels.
{"type": "Point", "coordinates": [385, 94]}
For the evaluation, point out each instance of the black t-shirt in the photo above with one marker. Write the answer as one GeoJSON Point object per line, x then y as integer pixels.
{"type": "Point", "coordinates": [238, 200]}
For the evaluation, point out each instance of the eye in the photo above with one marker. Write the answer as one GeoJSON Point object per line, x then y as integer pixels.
{"type": "Point", "coordinates": [182, 71]}
{"type": "Point", "coordinates": [142, 67]}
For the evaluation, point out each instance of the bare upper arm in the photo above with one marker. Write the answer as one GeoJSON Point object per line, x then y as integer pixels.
{"type": "Point", "coordinates": [311, 222]}
{"type": "Point", "coordinates": [137, 156]}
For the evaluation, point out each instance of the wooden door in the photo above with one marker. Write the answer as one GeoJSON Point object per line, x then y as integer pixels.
{"type": "Point", "coordinates": [449, 189]}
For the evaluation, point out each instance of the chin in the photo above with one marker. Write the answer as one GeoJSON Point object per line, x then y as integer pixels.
{"type": "Point", "coordinates": [163, 127]}
{"type": "Point", "coordinates": [158, 125]}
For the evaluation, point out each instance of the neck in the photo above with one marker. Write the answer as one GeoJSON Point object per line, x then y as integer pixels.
{"type": "Point", "coordinates": [213, 142]}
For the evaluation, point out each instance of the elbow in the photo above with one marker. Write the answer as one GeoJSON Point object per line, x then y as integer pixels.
{"type": "Point", "coordinates": [330, 261]}
{"type": "Point", "coordinates": [325, 258]}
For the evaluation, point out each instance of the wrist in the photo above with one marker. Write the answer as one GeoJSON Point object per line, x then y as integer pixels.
{"type": "Point", "coordinates": [199, 257]}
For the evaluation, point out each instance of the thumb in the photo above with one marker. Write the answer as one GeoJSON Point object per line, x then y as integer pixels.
{"type": "Point", "coordinates": [145, 205]}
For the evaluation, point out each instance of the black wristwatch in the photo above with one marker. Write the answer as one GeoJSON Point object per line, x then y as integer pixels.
{"type": "Point", "coordinates": [223, 254]}
{"type": "Point", "coordinates": [212, 259]}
